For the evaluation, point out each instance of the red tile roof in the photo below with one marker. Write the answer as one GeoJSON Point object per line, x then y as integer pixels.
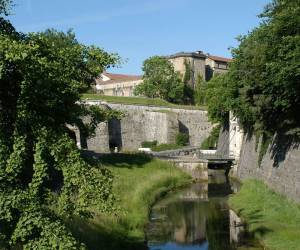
{"type": "Point", "coordinates": [114, 78]}
{"type": "Point", "coordinates": [220, 59]}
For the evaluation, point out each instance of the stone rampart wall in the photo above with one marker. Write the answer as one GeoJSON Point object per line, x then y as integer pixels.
{"type": "Point", "coordinates": [279, 169]}
{"type": "Point", "coordinates": [144, 123]}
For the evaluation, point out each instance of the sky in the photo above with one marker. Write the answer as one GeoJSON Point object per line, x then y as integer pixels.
{"type": "Point", "coordinates": [138, 29]}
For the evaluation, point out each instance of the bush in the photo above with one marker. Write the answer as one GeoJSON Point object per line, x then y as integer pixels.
{"type": "Point", "coordinates": [182, 139]}
{"type": "Point", "coordinates": [149, 144]}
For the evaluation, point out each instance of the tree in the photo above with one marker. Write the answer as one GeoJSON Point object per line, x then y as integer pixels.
{"type": "Point", "coordinates": [219, 98]}
{"type": "Point", "coordinates": [160, 80]}
{"type": "Point", "coordinates": [262, 85]}
{"type": "Point", "coordinates": [43, 177]}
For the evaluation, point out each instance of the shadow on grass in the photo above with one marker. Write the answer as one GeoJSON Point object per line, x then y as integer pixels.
{"type": "Point", "coordinates": [121, 160]}
{"type": "Point", "coordinates": [97, 237]}
{"type": "Point", "coordinates": [255, 217]}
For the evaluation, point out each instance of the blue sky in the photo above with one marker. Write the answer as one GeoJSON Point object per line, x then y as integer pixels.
{"type": "Point", "coordinates": [138, 29]}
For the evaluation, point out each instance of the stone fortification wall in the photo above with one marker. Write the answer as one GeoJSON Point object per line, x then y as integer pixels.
{"type": "Point", "coordinates": [223, 141]}
{"type": "Point", "coordinates": [279, 169]}
{"type": "Point", "coordinates": [144, 123]}
{"type": "Point", "coordinates": [101, 135]}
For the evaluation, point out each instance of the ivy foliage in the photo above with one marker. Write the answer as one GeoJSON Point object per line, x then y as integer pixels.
{"type": "Point", "coordinates": [262, 86]}
{"type": "Point", "coordinates": [188, 89]}
{"type": "Point", "coordinates": [160, 80]}
{"type": "Point", "coordinates": [43, 177]}
{"type": "Point", "coordinates": [200, 91]}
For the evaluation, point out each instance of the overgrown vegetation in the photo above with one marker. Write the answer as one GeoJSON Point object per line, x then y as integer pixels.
{"type": "Point", "coordinates": [188, 89]}
{"type": "Point", "coordinates": [149, 144]}
{"type": "Point", "coordinates": [262, 85]}
{"type": "Point", "coordinates": [211, 141]}
{"type": "Point", "coordinates": [43, 177]}
{"type": "Point", "coordinates": [200, 92]}
{"type": "Point", "coordinates": [139, 181]}
{"type": "Point", "coordinates": [271, 218]}
{"type": "Point", "coordinates": [182, 139]}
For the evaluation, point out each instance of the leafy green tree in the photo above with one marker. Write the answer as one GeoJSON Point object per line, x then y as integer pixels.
{"type": "Point", "coordinates": [43, 177]}
{"type": "Point", "coordinates": [262, 85]}
{"type": "Point", "coordinates": [160, 80]}
{"type": "Point", "coordinates": [218, 98]}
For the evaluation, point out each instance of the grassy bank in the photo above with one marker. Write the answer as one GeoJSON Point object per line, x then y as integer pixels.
{"type": "Point", "coordinates": [139, 101]}
{"type": "Point", "coordinates": [139, 181]}
{"type": "Point", "coordinates": [271, 218]}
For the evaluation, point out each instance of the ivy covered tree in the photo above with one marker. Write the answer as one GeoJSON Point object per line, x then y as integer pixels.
{"type": "Point", "coordinates": [262, 86]}
{"type": "Point", "coordinates": [43, 177]}
{"type": "Point", "coordinates": [160, 81]}
{"type": "Point", "coordinates": [200, 91]}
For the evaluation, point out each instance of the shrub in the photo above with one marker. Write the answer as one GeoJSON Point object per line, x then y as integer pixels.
{"type": "Point", "coordinates": [182, 139]}
{"type": "Point", "coordinates": [149, 144]}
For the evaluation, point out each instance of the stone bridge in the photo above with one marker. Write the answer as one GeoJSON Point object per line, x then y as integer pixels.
{"type": "Point", "coordinates": [195, 161]}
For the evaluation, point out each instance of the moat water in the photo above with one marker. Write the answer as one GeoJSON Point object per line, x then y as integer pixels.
{"type": "Point", "coordinates": [198, 218]}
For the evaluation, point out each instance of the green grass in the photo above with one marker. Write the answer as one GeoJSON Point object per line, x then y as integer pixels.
{"type": "Point", "coordinates": [139, 101]}
{"type": "Point", "coordinates": [163, 147]}
{"type": "Point", "coordinates": [271, 218]}
{"type": "Point", "coordinates": [139, 181]}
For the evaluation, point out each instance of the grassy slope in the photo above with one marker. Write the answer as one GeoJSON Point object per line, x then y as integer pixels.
{"type": "Point", "coordinates": [139, 181]}
{"type": "Point", "coordinates": [139, 101]}
{"type": "Point", "coordinates": [271, 217]}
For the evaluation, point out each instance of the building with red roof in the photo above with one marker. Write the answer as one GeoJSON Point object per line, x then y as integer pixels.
{"type": "Point", "coordinates": [216, 65]}
{"type": "Point", "coordinates": [116, 84]}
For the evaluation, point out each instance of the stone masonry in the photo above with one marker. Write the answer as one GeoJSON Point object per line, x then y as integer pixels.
{"type": "Point", "coordinates": [282, 175]}
{"type": "Point", "coordinates": [144, 123]}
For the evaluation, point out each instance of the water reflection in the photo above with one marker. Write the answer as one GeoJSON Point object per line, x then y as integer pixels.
{"type": "Point", "coordinates": [193, 218]}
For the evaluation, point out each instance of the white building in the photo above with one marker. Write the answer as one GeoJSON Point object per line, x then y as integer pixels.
{"type": "Point", "coordinates": [116, 84]}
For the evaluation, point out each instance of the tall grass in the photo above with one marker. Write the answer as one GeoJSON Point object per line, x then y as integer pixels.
{"type": "Point", "coordinates": [271, 218]}
{"type": "Point", "coordinates": [139, 181]}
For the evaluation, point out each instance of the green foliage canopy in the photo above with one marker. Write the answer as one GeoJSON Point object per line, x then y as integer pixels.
{"type": "Point", "coordinates": [160, 80]}
{"type": "Point", "coordinates": [262, 86]}
{"type": "Point", "coordinates": [43, 177]}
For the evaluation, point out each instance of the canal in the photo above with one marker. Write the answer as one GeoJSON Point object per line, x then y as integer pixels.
{"type": "Point", "coordinates": [198, 218]}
